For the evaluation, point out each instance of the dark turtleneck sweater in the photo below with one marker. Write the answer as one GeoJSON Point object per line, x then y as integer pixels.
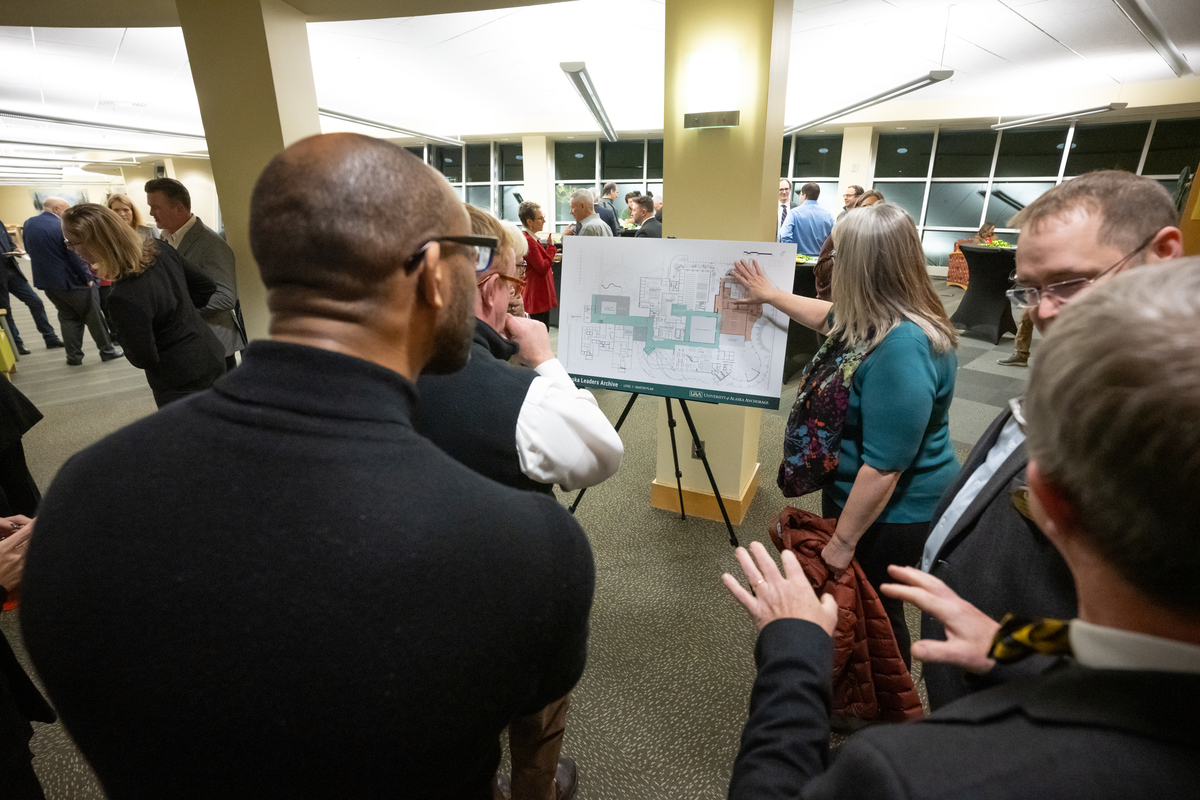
{"type": "Point", "coordinates": [278, 589]}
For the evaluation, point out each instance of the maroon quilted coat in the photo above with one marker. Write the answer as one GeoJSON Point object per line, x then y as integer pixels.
{"type": "Point", "coordinates": [870, 681]}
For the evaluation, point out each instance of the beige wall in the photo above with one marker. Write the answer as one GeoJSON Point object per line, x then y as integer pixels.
{"type": "Point", "coordinates": [16, 202]}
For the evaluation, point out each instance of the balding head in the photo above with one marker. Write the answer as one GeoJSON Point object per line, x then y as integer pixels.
{"type": "Point", "coordinates": [55, 205]}
{"type": "Point", "coordinates": [339, 214]}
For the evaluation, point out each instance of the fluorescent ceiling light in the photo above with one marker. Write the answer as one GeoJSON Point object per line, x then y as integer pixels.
{"type": "Point", "coordinates": [1151, 29]}
{"type": "Point", "coordinates": [386, 126]}
{"type": "Point", "coordinates": [1084, 112]}
{"type": "Point", "coordinates": [577, 74]}
{"type": "Point", "coordinates": [98, 125]}
{"type": "Point", "coordinates": [64, 160]}
{"type": "Point", "coordinates": [935, 76]}
{"type": "Point", "coordinates": [85, 147]}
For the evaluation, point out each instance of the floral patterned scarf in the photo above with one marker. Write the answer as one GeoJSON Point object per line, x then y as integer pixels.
{"type": "Point", "coordinates": [813, 436]}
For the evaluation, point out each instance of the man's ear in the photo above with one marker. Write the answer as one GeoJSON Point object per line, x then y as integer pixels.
{"type": "Point", "coordinates": [487, 292]}
{"type": "Point", "coordinates": [1050, 507]}
{"type": "Point", "coordinates": [1168, 244]}
{"type": "Point", "coordinates": [431, 277]}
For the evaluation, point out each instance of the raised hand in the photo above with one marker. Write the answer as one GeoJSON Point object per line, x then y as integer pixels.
{"type": "Point", "coordinates": [776, 596]}
{"type": "Point", "coordinates": [758, 286]}
{"type": "Point", "coordinates": [969, 632]}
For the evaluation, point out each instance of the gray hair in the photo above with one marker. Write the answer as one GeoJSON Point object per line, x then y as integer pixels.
{"type": "Point", "coordinates": [1113, 416]}
{"type": "Point", "coordinates": [582, 196]}
{"type": "Point", "coordinates": [519, 243]}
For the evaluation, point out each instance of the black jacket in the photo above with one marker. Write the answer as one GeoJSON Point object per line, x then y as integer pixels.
{"type": "Point", "coordinates": [472, 414]}
{"type": "Point", "coordinates": [999, 561]}
{"type": "Point", "coordinates": [316, 602]}
{"type": "Point", "coordinates": [650, 229]}
{"type": "Point", "coordinates": [1074, 732]}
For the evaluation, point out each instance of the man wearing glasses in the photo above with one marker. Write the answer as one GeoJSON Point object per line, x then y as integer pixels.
{"type": "Point", "coordinates": [315, 601]}
{"type": "Point", "coordinates": [983, 544]}
{"type": "Point", "coordinates": [67, 281]}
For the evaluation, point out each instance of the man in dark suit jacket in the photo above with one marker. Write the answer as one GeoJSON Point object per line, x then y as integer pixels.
{"type": "Point", "coordinates": [983, 544]}
{"type": "Point", "coordinates": [316, 601]}
{"type": "Point", "coordinates": [1117, 719]}
{"type": "Point", "coordinates": [67, 281]}
{"type": "Point", "coordinates": [642, 209]}
{"type": "Point", "coordinates": [14, 283]}
{"type": "Point", "coordinates": [608, 199]}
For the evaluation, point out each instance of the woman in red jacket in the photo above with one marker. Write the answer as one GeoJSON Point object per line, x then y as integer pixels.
{"type": "Point", "coordinates": [539, 295]}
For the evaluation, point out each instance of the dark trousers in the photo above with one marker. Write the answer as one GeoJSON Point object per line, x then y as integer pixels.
{"type": "Point", "coordinates": [535, 743]}
{"type": "Point", "coordinates": [18, 286]}
{"type": "Point", "coordinates": [18, 491]}
{"type": "Point", "coordinates": [77, 308]}
{"type": "Point", "coordinates": [542, 317]}
{"type": "Point", "coordinates": [886, 543]}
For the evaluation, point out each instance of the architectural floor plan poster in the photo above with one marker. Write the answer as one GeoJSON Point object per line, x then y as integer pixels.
{"type": "Point", "coordinates": [656, 316]}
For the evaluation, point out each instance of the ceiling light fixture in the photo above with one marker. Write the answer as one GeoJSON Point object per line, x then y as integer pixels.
{"type": "Point", "coordinates": [79, 123]}
{"type": "Point", "coordinates": [85, 147]}
{"type": "Point", "coordinates": [1152, 31]}
{"type": "Point", "coordinates": [934, 76]}
{"type": "Point", "coordinates": [1083, 112]}
{"type": "Point", "coordinates": [387, 126]}
{"type": "Point", "coordinates": [577, 74]}
{"type": "Point", "coordinates": [68, 160]}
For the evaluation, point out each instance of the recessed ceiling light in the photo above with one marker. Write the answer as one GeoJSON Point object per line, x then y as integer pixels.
{"type": "Point", "coordinates": [579, 155]}
{"type": "Point", "coordinates": [901, 127]}
{"type": "Point", "coordinates": [823, 150]}
{"type": "Point", "coordinates": [570, 137]}
{"type": "Point", "coordinates": [519, 158]}
{"type": "Point", "coordinates": [902, 150]}
{"type": "Point", "coordinates": [821, 130]}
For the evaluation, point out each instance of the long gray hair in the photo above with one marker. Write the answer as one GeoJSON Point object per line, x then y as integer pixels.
{"type": "Point", "coordinates": [880, 279]}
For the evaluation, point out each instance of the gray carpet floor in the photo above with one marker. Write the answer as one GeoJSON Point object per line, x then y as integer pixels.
{"type": "Point", "coordinates": [659, 710]}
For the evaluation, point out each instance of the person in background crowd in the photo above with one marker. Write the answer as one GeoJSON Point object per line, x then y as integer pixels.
{"type": "Point", "coordinates": [643, 215]}
{"type": "Point", "coordinates": [658, 204]}
{"type": "Point", "coordinates": [869, 198]}
{"type": "Point", "coordinates": [608, 198]}
{"type": "Point", "coordinates": [514, 243]}
{"type": "Point", "coordinates": [606, 214]}
{"type": "Point", "coordinates": [587, 221]}
{"type": "Point", "coordinates": [785, 205]}
{"type": "Point", "coordinates": [539, 295]}
{"type": "Point", "coordinates": [154, 313]}
{"type": "Point", "coordinates": [13, 281]}
{"type": "Point", "coordinates": [124, 208]}
{"type": "Point", "coordinates": [171, 206]}
{"type": "Point", "coordinates": [850, 198]}
{"type": "Point", "coordinates": [984, 544]}
{"type": "Point", "coordinates": [1111, 419]}
{"type": "Point", "coordinates": [896, 457]}
{"type": "Point", "coordinates": [807, 225]}
{"type": "Point", "coordinates": [300, 481]}
{"type": "Point", "coordinates": [68, 282]}
{"type": "Point", "coordinates": [20, 701]}
{"type": "Point", "coordinates": [628, 212]}
{"type": "Point", "coordinates": [985, 234]}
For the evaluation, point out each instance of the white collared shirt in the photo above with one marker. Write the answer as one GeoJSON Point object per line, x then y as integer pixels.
{"type": "Point", "coordinates": [562, 435]}
{"type": "Point", "coordinates": [1100, 647]}
{"type": "Point", "coordinates": [1010, 439]}
{"type": "Point", "coordinates": [175, 238]}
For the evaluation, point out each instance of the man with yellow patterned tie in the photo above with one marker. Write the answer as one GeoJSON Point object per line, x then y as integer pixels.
{"type": "Point", "coordinates": [1112, 437]}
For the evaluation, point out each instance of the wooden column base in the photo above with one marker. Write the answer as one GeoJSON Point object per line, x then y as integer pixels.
{"type": "Point", "coordinates": [704, 504]}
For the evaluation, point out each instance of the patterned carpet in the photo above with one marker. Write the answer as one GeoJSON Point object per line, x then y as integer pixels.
{"type": "Point", "coordinates": [659, 711]}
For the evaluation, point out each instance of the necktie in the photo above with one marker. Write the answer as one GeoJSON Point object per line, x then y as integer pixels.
{"type": "Point", "coordinates": [1019, 637]}
{"type": "Point", "coordinates": [782, 213]}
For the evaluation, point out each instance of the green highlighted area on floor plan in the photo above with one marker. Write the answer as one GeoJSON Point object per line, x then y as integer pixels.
{"type": "Point", "coordinates": [682, 326]}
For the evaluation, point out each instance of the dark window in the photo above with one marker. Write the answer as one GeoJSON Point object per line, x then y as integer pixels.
{"type": "Point", "coordinates": [964, 154]}
{"type": "Point", "coordinates": [787, 154]}
{"type": "Point", "coordinates": [574, 161]}
{"type": "Point", "coordinates": [419, 151]}
{"type": "Point", "coordinates": [562, 200]}
{"type": "Point", "coordinates": [817, 157]}
{"type": "Point", "coordinates": [448, 161]}
{"type": "Point", "coordinates": [1107, 147]}
{"type": "Point", "coordinates": [510, 164]}
{"type": "Point", "coordinates": [940, 244]}
{"type": "Point", "coordinates": [510, 202]}
{"type": "Point", "coordinates": [654, 159]}
{"type": "Point", "coordinates": [480, 197]}
{"type": "Point", "coordinates": [1175, 145]}
{"type": "Point", "coordinates": [1009, 198]}
{"type": "Point", "coordinates": [955, 205]}
{"type": "Point", "coordinates": [1031, 152]}
{"type": "Point", "coordinates": [903, 155]}
{"type": "Point", "coordinates": [908, 196]}
{"type": "Point", "coordinates": [479, 163]}
{"type": "Point", "coordinates": [621, 161]}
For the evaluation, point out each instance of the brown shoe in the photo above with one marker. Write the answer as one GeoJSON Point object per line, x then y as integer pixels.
{"type": "Point", "coordinates": [564, 781]}
{"type": "Point", "coordinates": [1014, 360]}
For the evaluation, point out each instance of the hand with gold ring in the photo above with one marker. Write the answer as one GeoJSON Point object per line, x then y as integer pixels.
{"type": "Point", "coordinates": [774, 596]}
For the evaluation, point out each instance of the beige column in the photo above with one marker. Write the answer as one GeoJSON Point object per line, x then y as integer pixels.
{"type": "Point", "coordinates": [744, 162]}
{"type": "Point", "coordinates": [539, 180]}
{"type": "Point", "coordinates": [858, 157]}
{"type": "Point", "coordinates": [253, 75]}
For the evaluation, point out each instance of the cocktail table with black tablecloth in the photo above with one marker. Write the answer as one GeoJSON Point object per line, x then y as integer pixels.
{"type": "Point", "coordinates": [985, 312]}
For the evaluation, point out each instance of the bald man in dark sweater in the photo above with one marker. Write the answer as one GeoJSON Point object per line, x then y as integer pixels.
{"type": "Point", "coordinates": [313, 600]}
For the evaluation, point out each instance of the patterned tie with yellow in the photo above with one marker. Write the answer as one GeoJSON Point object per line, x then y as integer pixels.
{"type": "Point", "coordinates": [1019, 637]}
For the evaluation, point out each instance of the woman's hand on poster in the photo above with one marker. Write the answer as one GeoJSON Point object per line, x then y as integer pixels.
{"type": "Point", "coordinates": [758, 286]}
{"type": "Point", "coordinates": [837, 554]}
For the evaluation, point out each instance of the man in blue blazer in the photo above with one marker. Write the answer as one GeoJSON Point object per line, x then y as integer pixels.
{"type": "Point", "coordinates": [67, 281]}
{"type": "Point", "coordinates": [1112, 441]}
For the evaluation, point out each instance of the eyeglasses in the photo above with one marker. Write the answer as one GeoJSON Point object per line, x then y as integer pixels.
{"type": "Point", "coordinates": [517, 282]}
{"type": "Point", "coordinates": [481, 248]}
{"type": "Point", "coordinates": [1027, 297]}
{"type": "Point", "coordinates": [70, 245]}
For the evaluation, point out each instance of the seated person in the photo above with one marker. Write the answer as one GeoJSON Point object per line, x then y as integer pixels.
{"type": "Point", "coordinates": [1110, 419]}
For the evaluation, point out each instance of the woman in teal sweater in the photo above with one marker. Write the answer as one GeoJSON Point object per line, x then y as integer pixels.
{"type": "Point", "coordinates": [896, 457]}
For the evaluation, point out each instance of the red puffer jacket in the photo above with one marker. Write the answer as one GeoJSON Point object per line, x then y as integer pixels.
{"type": "Point", "coordinates": [870, 681]}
